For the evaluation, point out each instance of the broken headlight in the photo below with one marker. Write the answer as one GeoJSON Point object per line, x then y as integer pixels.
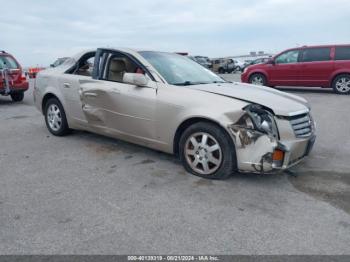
{"type": "Point", "coordinates": [260, 119]}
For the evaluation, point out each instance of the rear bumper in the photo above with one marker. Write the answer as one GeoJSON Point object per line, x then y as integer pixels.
{"type": "Point", "coordinates": [17, 87]}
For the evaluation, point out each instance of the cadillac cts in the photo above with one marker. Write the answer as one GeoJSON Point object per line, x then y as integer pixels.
{"type": "Point", "coordinates": [170, 103]}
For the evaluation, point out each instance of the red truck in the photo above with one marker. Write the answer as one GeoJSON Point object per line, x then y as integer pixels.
{"type": "Point", "coordinates": [308, 66]}
{"type": "Point", "coordinates": [12, 81]}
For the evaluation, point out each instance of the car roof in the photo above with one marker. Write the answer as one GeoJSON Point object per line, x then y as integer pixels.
{"type": "Point", "coordinates": [316, 46]}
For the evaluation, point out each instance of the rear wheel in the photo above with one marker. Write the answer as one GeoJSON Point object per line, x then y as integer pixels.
{"type": "Point", "coordinates": [55, 118]}
{"type": "Point", "coordinates": [341, 84]}
{"type": "Point", "coordinates": [221, 70]}
{"type": "Point", "coordinates": [258, 79]}
{"type": "Point", "coordinates": [206, 150]}
{"type": "Point", "coordinates": [17, 96]}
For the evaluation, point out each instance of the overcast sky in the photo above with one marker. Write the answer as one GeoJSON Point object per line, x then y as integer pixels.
{"type": "Point", "coordinates": [39, 31]}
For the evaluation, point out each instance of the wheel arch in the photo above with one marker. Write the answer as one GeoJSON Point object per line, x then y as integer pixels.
{"type": "Point", "coordinates": [336, 74]}
{"type": "Point", "coordinates": [191, 121]}
{"type": "Point", "coordinates": [46, 98]}
{"type": "Point", "coordinates": [258, 72]}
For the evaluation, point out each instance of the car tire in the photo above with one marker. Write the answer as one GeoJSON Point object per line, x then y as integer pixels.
{"type": "Point", "coordinates": [221, 71]}
{"type": "Point", "coordinates": [213, 157]}
{"type": "Point", "coordinates": [258, 79]}
{"type": "Point", "coordinates": [55, 118]}
{"type": "Point", "coordinates": [341, 84]}
{"type": "Point", "coordinates": [17, 96]}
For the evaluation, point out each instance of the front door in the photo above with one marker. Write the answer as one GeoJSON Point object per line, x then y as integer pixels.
{"type": "Point", "coordinates": [285, 71]}
{"type": "Point", "coordinates": [120, 108]}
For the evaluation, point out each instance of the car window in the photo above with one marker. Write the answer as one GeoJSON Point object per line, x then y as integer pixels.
{"type": "Point", "coordinates": [7, 62]}
{"type": "Point", "coordinates": [117, 65]}
{"type": "Point", "coordinates": [342, 53]}
{"type": "Point", "coordinates": [288, 57]}
{"type": "Point", "coordinates": [316, 54]}
{"type": "Point", "coordinates": [85, 66]}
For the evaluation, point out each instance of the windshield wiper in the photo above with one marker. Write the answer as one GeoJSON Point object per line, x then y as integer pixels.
{"type": "Point", "coordinates": [186, 83]}
{"type": "Point", "coordinates": [219, 82]}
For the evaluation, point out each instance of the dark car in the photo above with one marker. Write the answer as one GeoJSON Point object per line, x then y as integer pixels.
{"type": "Point", "coordinates": [308, 66]}
{"type": "Point", "coordinates": [224, 65]}
{"type": "Point", "coordinates": [12, 81]}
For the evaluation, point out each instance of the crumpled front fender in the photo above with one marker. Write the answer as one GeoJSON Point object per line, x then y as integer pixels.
{"type": "Point", "coordinates": [254, 149]}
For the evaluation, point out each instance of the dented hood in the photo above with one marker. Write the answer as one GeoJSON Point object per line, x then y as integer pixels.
{"type": "Point", "coordinates": [280, 103]}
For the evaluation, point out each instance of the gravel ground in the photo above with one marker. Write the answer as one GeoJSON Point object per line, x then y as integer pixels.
{"type": "Point", "coordinates": [88, 194]}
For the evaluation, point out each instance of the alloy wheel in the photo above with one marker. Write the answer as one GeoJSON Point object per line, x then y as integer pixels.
{"type": "Point", "coordinates": [54, 117]}
{"type": "Point", "coordinates": [257, 80]}
{"type": "Point", "coordinates": [203, 153]}
{"type": "Point", "coordinates": [343, 84]}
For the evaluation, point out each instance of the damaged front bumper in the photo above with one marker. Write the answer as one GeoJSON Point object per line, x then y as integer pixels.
{"type": "Point", "coordinates": [258, 152]}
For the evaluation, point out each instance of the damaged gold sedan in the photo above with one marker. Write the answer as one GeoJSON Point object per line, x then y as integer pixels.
{"type": "Point", "coordinates": [170, 103]}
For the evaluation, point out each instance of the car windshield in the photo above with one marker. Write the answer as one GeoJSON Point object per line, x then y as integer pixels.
{"type": "Point", "coordinates": [180, 70]}
{"type": "Point", "coordinates": [8, 63]}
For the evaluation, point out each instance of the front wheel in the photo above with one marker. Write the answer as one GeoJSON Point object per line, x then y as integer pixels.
{"type": "Point", "coordinates": [258, 79]}
{"type": "Point", "coordinates": [206, 150]}
{"type": "Point", "coordinates": [341, 84]}
{"type": "Point", "coordinates": [17, 97]}
{"type": "Point", "coordinates": [55, 118]}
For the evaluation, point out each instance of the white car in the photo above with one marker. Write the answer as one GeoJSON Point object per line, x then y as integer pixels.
{"type": "Point", "coordinates": [170, 103]}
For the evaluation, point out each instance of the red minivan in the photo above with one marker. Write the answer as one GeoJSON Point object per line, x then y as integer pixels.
{"type": "Point", "coordinates": [12, 81]}
{"type": "Point", "coordinates": [311, 66]}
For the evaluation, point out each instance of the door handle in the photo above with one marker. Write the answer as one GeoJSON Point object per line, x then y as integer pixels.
{"type": "Point", "coordinates": [66, 85]}
{"type": "Point", "coordinates": [90, 94]}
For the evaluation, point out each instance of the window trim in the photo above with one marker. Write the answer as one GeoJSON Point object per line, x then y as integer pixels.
{"type": "Point", "coordinates": [72, 70]}
{"type": "Point", "coordinates": [101, 54]}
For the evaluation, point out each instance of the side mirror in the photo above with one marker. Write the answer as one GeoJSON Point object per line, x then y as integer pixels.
{"type": "Point", "coordinates": [135, 79]}
{"type": "Point", "coordinates": [52, 65]}
{"type": "Point", "coordinates": [271, 61]}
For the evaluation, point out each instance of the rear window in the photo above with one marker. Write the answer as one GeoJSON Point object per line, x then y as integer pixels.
{"type": "Point", "coordinates": [7, 62]}
{"type": "Point", "coordinates": [316, 54]}
{"type": "Point", "coordinates": [342, 53]}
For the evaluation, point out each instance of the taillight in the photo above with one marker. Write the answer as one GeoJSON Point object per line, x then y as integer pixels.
{"type": "Point", "coordinates": [23, 77]}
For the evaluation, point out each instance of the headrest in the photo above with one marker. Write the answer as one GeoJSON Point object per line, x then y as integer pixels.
{"type": "Point", "coordinates": [117, 65]}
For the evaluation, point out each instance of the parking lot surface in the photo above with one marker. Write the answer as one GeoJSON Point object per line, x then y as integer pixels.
{"type": "Point", "coordinates": [88, 194]}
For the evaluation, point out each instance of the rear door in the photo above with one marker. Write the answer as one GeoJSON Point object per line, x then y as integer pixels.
{"type": "Point", "coordinates": [285, 71]}
{"type": "Point", "coordinates": [316, 66]}
{"type": "Point", "coordinates": [70, 82]}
